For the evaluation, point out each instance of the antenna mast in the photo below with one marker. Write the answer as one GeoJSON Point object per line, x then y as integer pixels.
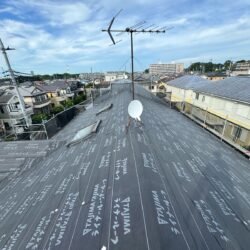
{"type": "Point", "coordinates": [138, 28]}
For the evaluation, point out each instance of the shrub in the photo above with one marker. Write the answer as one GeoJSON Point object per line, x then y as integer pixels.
{"type": "Point", "coordinates": [38, 118]}
{"type": "Point", "coordinates": [69, 103]}
{"type": "Point", "coordinates": [79, 98]}
{"type": "Point", "coordinates": [57, 109]}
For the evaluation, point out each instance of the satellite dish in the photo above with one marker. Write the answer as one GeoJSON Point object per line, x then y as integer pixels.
{"type": "Point", "coordinates": [135, 109]}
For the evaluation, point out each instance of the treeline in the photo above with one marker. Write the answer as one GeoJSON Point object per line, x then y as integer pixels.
{"type": "Point", "coordinates": [56, 76]}
{"type": "Point", "coordinates": [31, 78]}
{"type": "Point", "coordinates": [212, 67]}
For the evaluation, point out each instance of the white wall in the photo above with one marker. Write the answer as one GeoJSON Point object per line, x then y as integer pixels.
{"type": "Point", "coordinates": [234, 110]}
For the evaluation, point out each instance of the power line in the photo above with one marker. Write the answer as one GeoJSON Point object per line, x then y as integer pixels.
{"type": "Point", "coordinates": [3, 49]}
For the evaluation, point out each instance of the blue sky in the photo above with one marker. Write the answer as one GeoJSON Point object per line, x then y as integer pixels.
{"type": "Point", "coordinates": [59, 36]}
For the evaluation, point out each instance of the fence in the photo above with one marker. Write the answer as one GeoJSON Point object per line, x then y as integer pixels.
{"type": "Point", "coordinates": [234, 134]}
{"type": "Point", "coordinates": [49, 128]}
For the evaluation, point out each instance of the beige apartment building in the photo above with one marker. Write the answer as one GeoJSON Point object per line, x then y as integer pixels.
{"type": "Point", "coordinates": [166, 68]}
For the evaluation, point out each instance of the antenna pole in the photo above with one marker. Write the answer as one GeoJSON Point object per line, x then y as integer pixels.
{"type": "Point", "coordinates": [138, 28]}
{"type": "Point", "coordinates": [14, 82]}
{"type": "Point", "coordinates": [132, 65]}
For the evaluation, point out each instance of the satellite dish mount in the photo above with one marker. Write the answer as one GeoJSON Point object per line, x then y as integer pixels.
{"type": "Point", "coordinates": [135, 110]}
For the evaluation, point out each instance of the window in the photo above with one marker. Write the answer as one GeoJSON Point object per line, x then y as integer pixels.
{"type": "Point", "coordinates": [14, 107]}
{"type": "Point", "coordinates": [1, 109]}
{"type": "Point", "coordinates": [243, 135]}
{"type": "Point", "coordinates": [236, 132]}
{"type": "Point", "coordinates": [6, 125]}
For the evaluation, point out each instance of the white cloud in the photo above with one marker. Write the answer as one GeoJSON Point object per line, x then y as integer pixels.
{"type": "Point", "coordinates": [55, 33]}
{"type": "Point", "coordinates": [57, 13]}
{"type": "Point", "coordinates": [6, 9]}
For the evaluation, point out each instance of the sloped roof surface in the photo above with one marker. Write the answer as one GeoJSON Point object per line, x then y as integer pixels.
{"type": "Point", "coordinates": [165, 184]}
{"type": "Point", "coordinates": [56, 85]}
{"type": "Point", "coordinates": [4, 98]}
{"type": "Point", "coordinates": [189, 82]}
{"type": "Point", "coordinates": [29, 91]}
{"type": "Point", "coordinates": [237, 88]}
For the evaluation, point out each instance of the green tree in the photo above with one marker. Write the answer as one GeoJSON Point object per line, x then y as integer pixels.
{"type": "Point", "coordinates": [79, 98]}
{"type": "Point", "coordinates": [57, 109]}
{"type": "Point", "coordinates": [38, 118]}
{"type": "Point", "coordinates": [69, 103]}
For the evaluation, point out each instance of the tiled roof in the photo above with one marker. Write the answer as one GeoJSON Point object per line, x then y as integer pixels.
{"type": "Point", "coordinates": [56, 85]}
{"type": "Point", "coordinates": [4, 98]}
{"type": "Point", "coordinates": [236, 88]}
{"type": "Point", "coordinates": [189, 82]}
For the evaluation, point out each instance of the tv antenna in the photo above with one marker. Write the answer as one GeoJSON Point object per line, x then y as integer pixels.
{"type": "Point", "coordinates": [137, 28]}
{"type": "Point", "coordinates": [12, 75]}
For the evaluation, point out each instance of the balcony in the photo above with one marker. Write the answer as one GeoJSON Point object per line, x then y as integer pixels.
{"type": "Point", "coordinates": [29, 110]}
{"type": "Point", "coordinates": [60, 98]}
{"type": "Point", "coordinates": [19, 115]}
{"type": "Point", "coordinates": [41, 104]}
{"type": "Point", "coordinates": [70, 94]}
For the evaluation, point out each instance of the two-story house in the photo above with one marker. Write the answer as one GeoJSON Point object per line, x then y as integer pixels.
{"type": "Point", "coordinates": [223, 106]}
{"type": "Point", "coordinates": [57, 91]}
{"type": "Point", "coordinates": [36, 98]}
{"type": "Point", "coordinates": [11, 115]}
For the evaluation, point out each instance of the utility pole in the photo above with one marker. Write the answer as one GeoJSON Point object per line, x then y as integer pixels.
{"type": "Point", "coordinates": [20, 98]}
{"type": "Point", "coordinates": [138, 28]}
{"type": "Point", "coordinates": [132, 65]}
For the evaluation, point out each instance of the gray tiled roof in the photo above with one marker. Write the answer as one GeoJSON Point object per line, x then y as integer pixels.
{"type": "Point", "coordinates": [30, 91]}
{"type": "Point", "coordinates": [56, 85]}
{"type": "Point", "coordinates": [236, 88]}
{"type": "Point", "coordinates": [189, 82]}
{"type": "Point", "coordinates": [4, 98]}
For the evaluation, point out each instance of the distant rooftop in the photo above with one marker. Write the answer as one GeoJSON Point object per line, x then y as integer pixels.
{"type": "Point", "coordinates": [5, 97]}
{"type": "Point", "coordinates": [237, 88]}
{"type": "Point", "coordinates": [189, 82]}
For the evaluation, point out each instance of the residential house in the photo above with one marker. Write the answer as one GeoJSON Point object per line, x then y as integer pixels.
{"type": "Point", "coordinates": [58, 92]}
{"type": "Point", "coordinates": [181, 89]}
{"type": "Point", "coordinates": [223, 106]}
{"type": "Point", "coordinates": [76, 87]}
{"type": "Point", "coordinates": [35, 98]}
{"type": "Point", "coordinates": [115, 75]}
{"type": "Point", "coordinates": [216, 76]}
{"type": "Point", "coordinates": [166, 68]}
{"type": "Point", "coordinates": [229, 101]}
{"type": "Point", "coordinates": [11, 115]}
{"type": "Point", "coordinates": [241, 68]}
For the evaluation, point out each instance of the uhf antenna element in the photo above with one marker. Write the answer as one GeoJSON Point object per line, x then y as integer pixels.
{"type": "Point", "coordinates": [137, 28]}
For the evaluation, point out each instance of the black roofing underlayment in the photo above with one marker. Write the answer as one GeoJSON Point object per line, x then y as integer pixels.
{"type": "Point", "coordinates": [166, 184]}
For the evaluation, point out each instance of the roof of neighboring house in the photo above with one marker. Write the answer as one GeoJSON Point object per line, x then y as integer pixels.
{"type": "Point", "coordinates": [189, 82]}
{"type": "Point", "coordinates": [236, 88]}
{"type": "Point", "coordinates": [216, 74]}
{"type": "Point", "coordinates": [53, 87]}
{"type": "Point", "coordinates": [5, 97]}
{"type": "Point", "coordinates": [30, 91]}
